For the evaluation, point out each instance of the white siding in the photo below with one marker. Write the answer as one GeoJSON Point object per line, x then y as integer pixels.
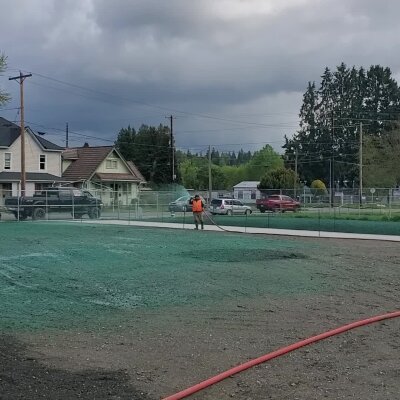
{"type": "Point", "coordinates": [121, 167]}
{"type": "Point", "coordinates": [32, 155]}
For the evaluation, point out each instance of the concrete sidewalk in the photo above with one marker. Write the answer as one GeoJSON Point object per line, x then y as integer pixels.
{"type": "Point", "coordinates": [249, 230]}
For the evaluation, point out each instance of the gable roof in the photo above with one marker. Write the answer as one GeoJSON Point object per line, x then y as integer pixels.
{"type": "Point", "coordinates": [247, 184]}
{"type": "Point", "coordinates": [85, 161]}
{"type": "Point", "coordinates": [136, 172]}
{"type": "Point", "coordinates": [10, 132]}
{"type": "Point", "coordinates": [46, 144]}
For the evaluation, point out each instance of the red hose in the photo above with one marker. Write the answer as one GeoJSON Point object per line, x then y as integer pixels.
{"type": "Point", "coordinates": [242, 367]}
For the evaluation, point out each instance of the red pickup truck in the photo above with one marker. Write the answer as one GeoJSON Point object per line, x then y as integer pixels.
{"type": "Point", "coordinates": [277, 202]}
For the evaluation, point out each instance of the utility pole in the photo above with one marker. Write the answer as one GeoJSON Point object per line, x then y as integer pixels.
{"type": "Point", "coordinates": [295, 173]}
{"type": "Point", "coordinates": [172, 147]}
{"type": "Point", "coordinates": [361, 163]}
{"type": "Point", "coordinates": [332, 165]}
{"type": "Point", "coordinates": [209, 176]}
{"type": "Point", "coordinates": [21, 79]}
{"type": "Point", "coordinates": [66, 135]}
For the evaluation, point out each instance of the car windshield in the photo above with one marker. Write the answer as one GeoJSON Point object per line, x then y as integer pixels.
{"type": "Point", "coordinates": [216, 202]}
{"type": "Point", "coordinates": [184, 198]}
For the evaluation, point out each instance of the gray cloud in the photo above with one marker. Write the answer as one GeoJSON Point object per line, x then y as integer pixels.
{"type": "Point", "coordinates": [246, 60]}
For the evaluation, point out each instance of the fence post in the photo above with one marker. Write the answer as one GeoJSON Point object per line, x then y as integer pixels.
{"type": "Point", "coordinates": [319, 221]}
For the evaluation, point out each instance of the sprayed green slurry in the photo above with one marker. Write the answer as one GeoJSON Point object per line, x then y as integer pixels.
{"type": "Point", "coordinates": [278, 221]}
{"type": "Point", "coordinates": [61, 275]}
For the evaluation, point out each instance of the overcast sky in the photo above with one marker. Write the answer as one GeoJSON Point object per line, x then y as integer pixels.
{"type": "Point", "coordinates": [232, 72]}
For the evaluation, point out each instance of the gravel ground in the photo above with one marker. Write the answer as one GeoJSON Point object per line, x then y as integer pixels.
{"type": "Point", "coordinates": [157, 351]}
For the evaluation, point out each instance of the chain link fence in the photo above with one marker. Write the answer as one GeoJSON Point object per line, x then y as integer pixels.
{"type": "Point", "coordinates": [319, 210]}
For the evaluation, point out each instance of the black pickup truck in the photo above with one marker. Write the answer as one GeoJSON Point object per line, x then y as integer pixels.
{"type": "Point", "coordinates": [55, 199]}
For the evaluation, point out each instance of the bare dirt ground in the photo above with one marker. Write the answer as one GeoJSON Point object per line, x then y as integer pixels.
{"type": "Point", "coordinates": [158, 353]}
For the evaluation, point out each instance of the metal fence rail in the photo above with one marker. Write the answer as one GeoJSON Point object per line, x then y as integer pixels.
{"type": "Point", "coordinates": [319, 210]}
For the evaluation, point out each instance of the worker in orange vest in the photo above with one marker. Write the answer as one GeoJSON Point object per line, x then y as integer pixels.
{"type": "Point", "coordinates": [197, 208]}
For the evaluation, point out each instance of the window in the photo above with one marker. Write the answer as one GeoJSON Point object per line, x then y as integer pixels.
{"type": "Point", "coordinates": [42, 162]}
{"type": "Point", "coordinates": [7, 160]}
{"type": "Point", "coordinates": [240, 194]}
{"type": "Point", "coordinates": [39, 187]}
{"type": "Point", "coordinates": [111, 164]}
{"type": "Point", "coordinates": [65, 194]}
{"type": "Point", "coordinates": [253, 195]}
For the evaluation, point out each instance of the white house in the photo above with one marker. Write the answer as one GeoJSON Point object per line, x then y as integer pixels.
{"type": "Point", "coordinates": [103, 171]}
{"type": "Point", "coordinates": [42, 161]}
{"type": "Point", "coordinates": [247, 191]}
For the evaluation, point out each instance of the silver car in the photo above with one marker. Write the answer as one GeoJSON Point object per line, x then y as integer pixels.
{"type": "Point", "coordinates": [229, 207]}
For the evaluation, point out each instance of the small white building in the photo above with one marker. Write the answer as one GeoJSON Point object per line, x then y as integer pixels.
{"type": "Point", "coordinates": [247, 191]}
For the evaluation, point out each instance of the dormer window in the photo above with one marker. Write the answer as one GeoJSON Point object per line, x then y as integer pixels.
{"type": "Point", "coordinates": [111, 164]}
{"type": "Point", "coordinates": [42, 162]}
{"type": "Point", "coordinates": [7, 160]}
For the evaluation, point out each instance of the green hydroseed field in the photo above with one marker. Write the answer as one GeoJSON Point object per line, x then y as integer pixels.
{"type": "Point", "coordinates": [57, 275]}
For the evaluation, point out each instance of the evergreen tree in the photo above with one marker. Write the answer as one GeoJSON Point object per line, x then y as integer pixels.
{"type": "Point", "coordinates": [327, 141]}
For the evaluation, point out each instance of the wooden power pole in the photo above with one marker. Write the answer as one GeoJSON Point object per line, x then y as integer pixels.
{"type": "Point", "coordinates": [20, 80]}
{"type": "Point", "coordinates": [171, 128]}
{"type": "Point", "coordinates": [361, 163]}
{"type": "Point", "coordinates": [209, 177]}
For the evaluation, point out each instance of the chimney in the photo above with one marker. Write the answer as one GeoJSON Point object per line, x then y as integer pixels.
{"type": "Point", "coordinates": [86, 144]}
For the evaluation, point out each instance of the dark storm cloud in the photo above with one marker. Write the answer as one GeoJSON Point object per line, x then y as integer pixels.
{"type": "Point", "coordinates": [227, 58]}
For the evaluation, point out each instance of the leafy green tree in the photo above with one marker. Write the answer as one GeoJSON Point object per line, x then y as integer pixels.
{"type": "Point", "coordinates": [380, 160]}
{"type": "Point", "coordinates": [280, 178]}
{"type": "Point", "coordinates": [318, 188]}
{"type": "Point", "coordinates": [262, 161]}
{"type": "Point", "coordinates": [188, 171]}
{"type": "Point", "coordinates": [4, 97]}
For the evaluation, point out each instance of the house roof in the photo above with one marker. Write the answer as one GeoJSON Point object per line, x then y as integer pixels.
{"type": "Point", "coordinates": [115, 177]}
{"type": "Point", "coordinates": [136, 172]}
{"type": "Point", "coordinates": [85, 161]}
{"type": "Point", "coordinates": [6, 176]}
{"type": "Point", "coordinates": [46, 144]}
{"type": "Point", "coordinates": [9, 132]}
{"type": "Point", "coordinates": [247, 184]}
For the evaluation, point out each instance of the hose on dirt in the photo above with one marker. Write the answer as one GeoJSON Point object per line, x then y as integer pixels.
{"type": "Point", "coordinates": [284, 350]}
{"type": "Point", "coordinates": [214, 223]}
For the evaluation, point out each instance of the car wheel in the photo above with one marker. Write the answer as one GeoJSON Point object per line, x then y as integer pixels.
{"type": "Point", "coordinates": [262, 210]}
{"type": "Point", "coordinates": [94, 213]}
{"type": "Point", "coordinates": [247, 212]}
{"type": "Point", "coordinates": [77, 215]}
{"type": "Point", "coordinates": [38, 213]}
{"type": "Point", "coordinates": [229, 212]}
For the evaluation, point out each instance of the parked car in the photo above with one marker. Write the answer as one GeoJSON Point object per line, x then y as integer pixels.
{"type": "Point", "coordinates": [229, 207]}
{"type": "Point", "coordinates": [182, 204]}
{"type": "Point", "coordinates": [54, 199]}
{"type": "Point", "coordinates": [277, 202]}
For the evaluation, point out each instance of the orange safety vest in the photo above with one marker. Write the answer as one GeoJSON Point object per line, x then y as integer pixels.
{"type": "Point", "coordinates": [197, 206]}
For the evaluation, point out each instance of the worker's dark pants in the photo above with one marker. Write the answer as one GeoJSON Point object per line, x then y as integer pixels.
{"type": "Point", "coordinates": [198, 219]}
